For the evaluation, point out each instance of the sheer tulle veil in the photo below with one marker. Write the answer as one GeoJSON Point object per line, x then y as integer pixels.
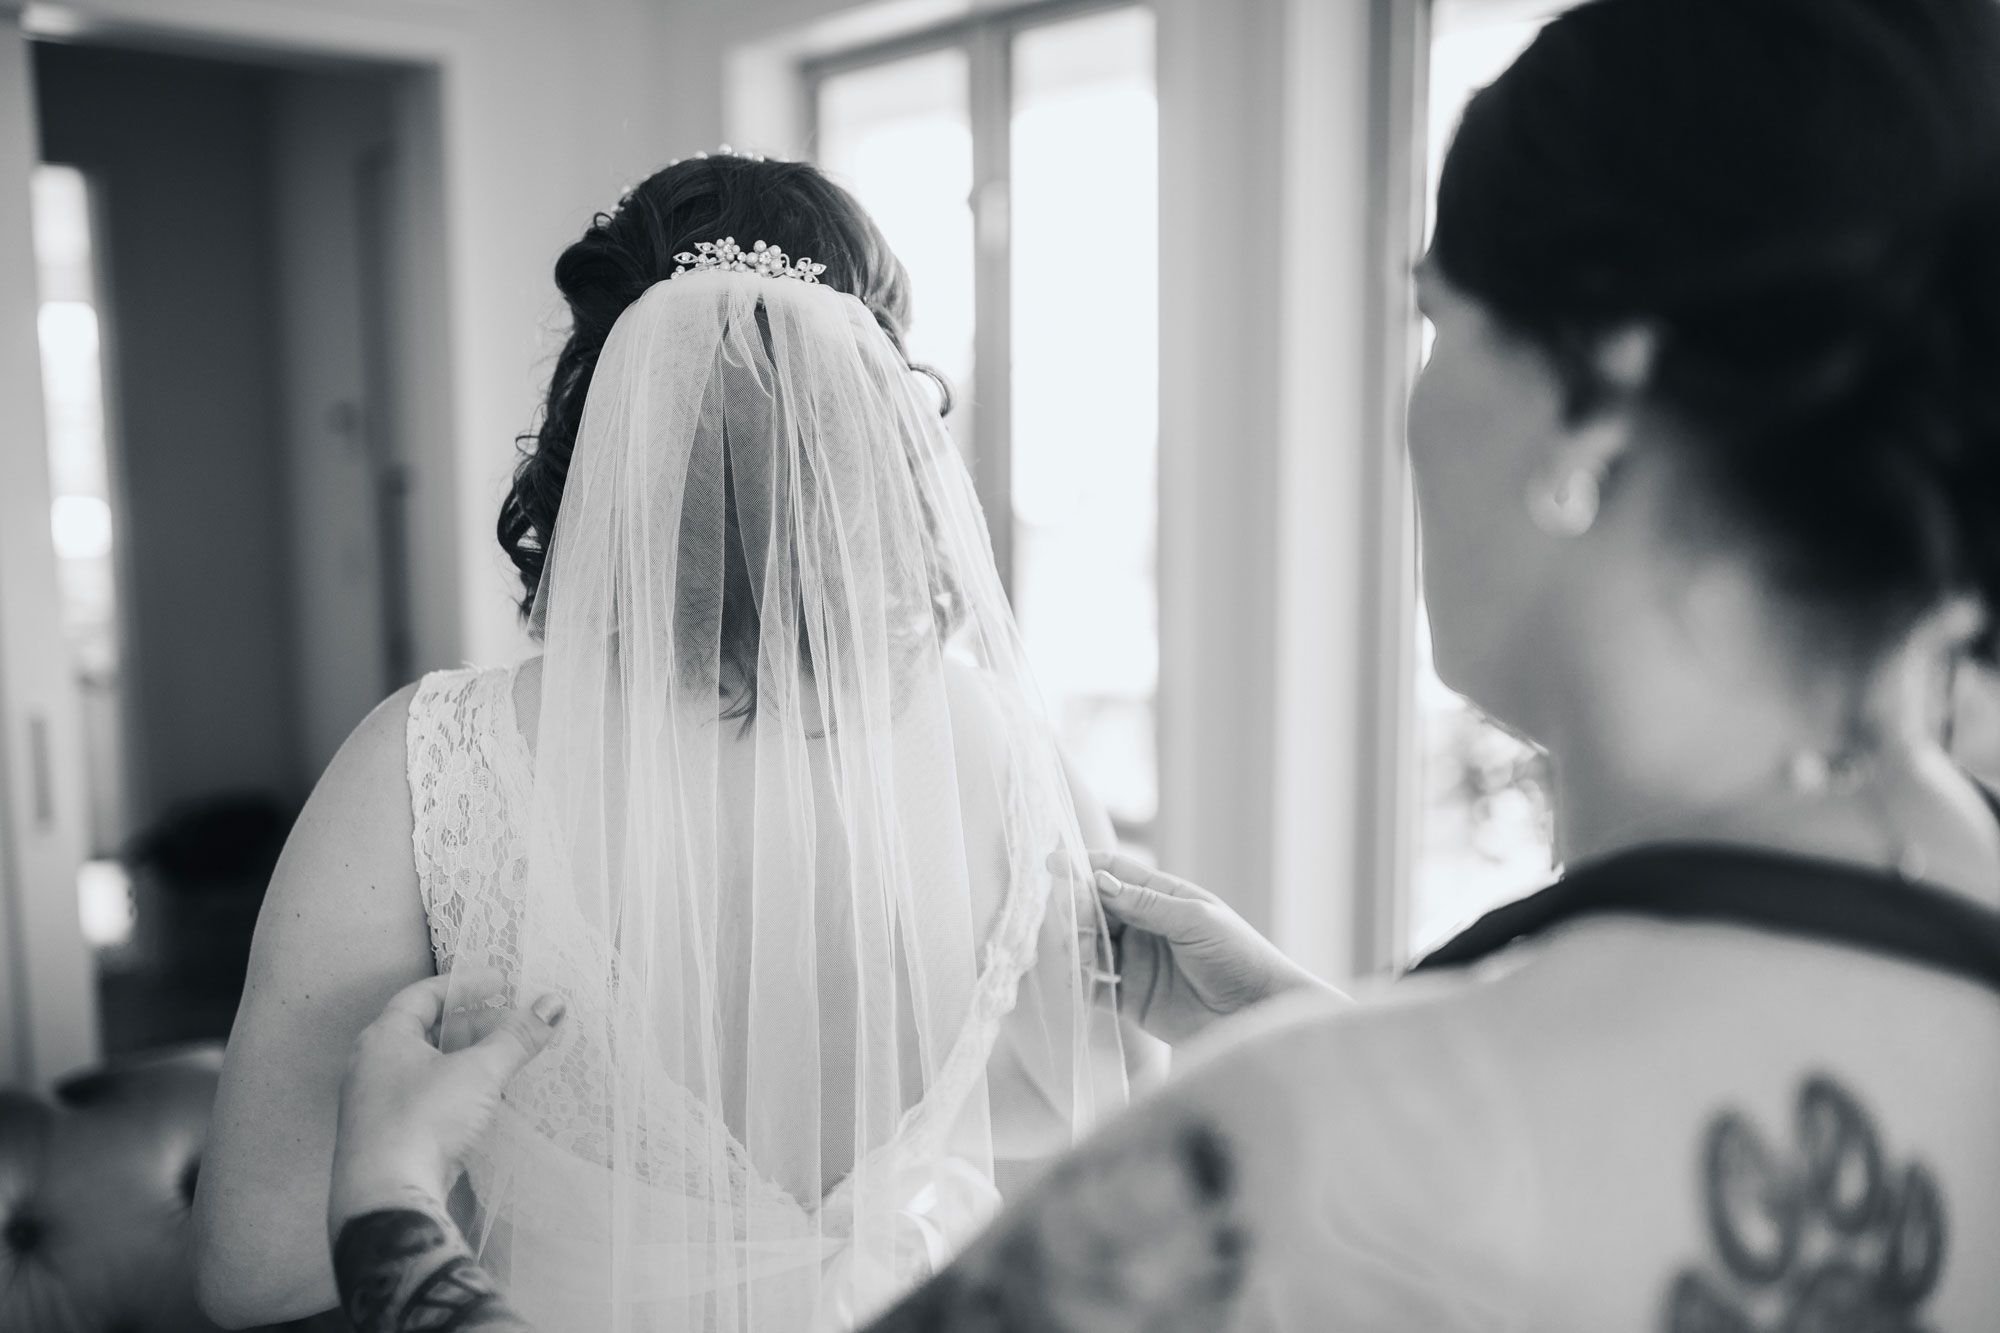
{"type": "Point", "coordinates": [793, 883]}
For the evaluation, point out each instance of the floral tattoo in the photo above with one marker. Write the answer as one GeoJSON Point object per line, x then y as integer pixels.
{"type": "Point", "coordinates": [401, 1270]}
{"type": "Point", "coordinates": [1831, 1238]}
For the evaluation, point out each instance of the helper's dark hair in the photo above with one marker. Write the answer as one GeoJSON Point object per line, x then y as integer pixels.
{"type": "Point", "coordinates": [789, 204]}
{"type": "Point", "coordinates": [1801, 198]}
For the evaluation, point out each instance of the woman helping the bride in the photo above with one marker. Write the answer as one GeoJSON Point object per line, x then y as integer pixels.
{"type": "Point", "coordinates": [771, 812]}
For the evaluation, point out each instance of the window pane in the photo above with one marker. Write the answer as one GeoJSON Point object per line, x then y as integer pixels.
{"type": "Point", "coordinates": [1085, 260]}
{"type": "Point", "coordinates": [899, 135]}
{"type": "Point", "coordinates": [1485, 834]}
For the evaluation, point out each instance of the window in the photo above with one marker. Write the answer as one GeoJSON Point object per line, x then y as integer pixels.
{"type": "Point", "coordinates": [1484, 833]}
{"type": "Point", "coordinates": [899, 134]}
{"type": "Point", "coordinates": [1012, 162]}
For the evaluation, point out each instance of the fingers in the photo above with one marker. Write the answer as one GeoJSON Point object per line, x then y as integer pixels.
{"type": "Point", "coordinates": [417, 1007]}
{"type": "Point", "coordinates": [518, 1037]}
{"type": "Point", "coordinates": [1138, 873]}
{"type": "Point", "coordinates": [1131, 871]}
{"type": "Point", "coordinates": [1133, 893]}
{"type": "Point", "coordinates": [1074, 876]}
{"type": "Point", "coordinates": [472, 987]}
{"type": "Point", "coordinates": [472, 1027]}
{"type": "Point", "coordinates": [1178, 919]}
{"type": "Point", "coordinates": [473, 1005]}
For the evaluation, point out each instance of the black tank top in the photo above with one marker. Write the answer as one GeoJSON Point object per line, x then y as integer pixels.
{"type": "Point", "coordinates": [1829, 901]}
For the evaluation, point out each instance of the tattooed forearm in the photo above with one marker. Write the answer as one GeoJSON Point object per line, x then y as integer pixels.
{"type": "Point", "coordinates": [1147, 1235]}
{"type": "Point", "coordinates": [400, 1270]}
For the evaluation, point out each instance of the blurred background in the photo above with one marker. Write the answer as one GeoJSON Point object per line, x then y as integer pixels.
{"type": "Point", "coordinates": [274, 276]}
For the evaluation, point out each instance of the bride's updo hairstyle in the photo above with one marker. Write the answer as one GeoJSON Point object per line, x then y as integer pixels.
{"type": "Point", "coordinates": [1801, 200]}
{"type": "Point", "coordinates": [789, 204]}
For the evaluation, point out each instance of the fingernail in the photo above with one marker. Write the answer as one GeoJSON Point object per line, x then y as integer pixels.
{"type": "Point", "coordinates": [550, 1009]}
{"type": "Point", "coordinates": [1108, 884]}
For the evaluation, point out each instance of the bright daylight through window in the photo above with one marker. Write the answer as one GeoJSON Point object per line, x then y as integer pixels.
{"type": "Point", "coordinates": [1072, 214]}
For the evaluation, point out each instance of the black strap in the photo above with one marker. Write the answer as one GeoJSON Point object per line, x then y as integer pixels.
{"type": "Point", "coordinates": [1829, 901]}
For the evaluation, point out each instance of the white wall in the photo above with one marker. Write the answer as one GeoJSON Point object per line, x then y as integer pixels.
{"type": "Point", "coordinates": [339, 435]}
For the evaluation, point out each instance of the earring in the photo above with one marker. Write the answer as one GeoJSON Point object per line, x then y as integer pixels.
{"type": "Point", "coordinates": [1808, 773]}
{"type": "Point", "coordinates": [1818, 773]}
{"type": "Point", "coordinates": [1569, 508]}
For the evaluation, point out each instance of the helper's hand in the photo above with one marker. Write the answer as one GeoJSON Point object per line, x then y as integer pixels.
{"type": "Point", "coordinates": [1185, 958]}
{"type": "Point", "coordinates": [409, 1113]}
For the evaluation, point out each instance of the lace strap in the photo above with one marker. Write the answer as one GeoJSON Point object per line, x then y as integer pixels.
{"type": "Point", "coordinates": [460, 833]}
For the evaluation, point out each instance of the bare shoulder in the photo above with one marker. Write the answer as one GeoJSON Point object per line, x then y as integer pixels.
{"type": "Point", "coordinates": [1265, 1187]}
{"type": "Point", "coordinates": [528, 697]}
{"type": "Point", "coordinates": [1158, 1219]}
{"type": "Point", "coordinates": [979, 721]}
{"type": "Point", "coordinates": [345, 888]}
{"type": "Point", "coordinates": [1321, 1045]}
{"type": "Point", "coordinates": [359, 811]}
{"type": "Point", "coordinates": [1356, 1097]}
{"type": "Point", "coordinates": [375, 751]}
{"type": "Point", "coordinates": [341, 929]}
{"type": "Point", "coordinates": [975, 707]}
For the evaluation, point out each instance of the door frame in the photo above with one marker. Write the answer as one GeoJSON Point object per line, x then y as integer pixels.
{"type": "Point", "coordinates": [48, 994]}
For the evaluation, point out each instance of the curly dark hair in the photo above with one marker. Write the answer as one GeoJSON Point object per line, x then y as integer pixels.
{"type": "Point", "coordinates": [790, 204]}
{"type": "Point", "coordinates": [1801, 198]}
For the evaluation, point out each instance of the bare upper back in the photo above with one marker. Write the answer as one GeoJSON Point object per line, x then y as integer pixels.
{"type": "Point", "coordinates": [1619, 1117]}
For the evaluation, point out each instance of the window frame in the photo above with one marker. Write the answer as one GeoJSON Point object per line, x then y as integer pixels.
{"type": "Point", "coordinates": [987, 39]}
{"type": "Point", "coordinates": [1333, 877]}
{"type": "Point", "coordinates": [1396, 914]}
{"type": "Point", "coordinates": [1389, 814]}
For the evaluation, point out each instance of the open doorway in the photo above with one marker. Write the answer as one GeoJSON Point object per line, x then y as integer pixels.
{"type": "Point", "coordinates": [240, 270]}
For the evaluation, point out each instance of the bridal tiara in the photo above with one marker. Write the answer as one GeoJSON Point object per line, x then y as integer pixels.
{"type": "Point", "coordinates": [766, 261]}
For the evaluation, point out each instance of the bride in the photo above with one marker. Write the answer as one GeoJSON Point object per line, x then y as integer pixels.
{"type": "Point", "coordinates": [771, 812]}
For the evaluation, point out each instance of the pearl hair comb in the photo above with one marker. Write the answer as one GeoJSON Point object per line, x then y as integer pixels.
{"type": "Point", "coordinates": [766, 261]}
